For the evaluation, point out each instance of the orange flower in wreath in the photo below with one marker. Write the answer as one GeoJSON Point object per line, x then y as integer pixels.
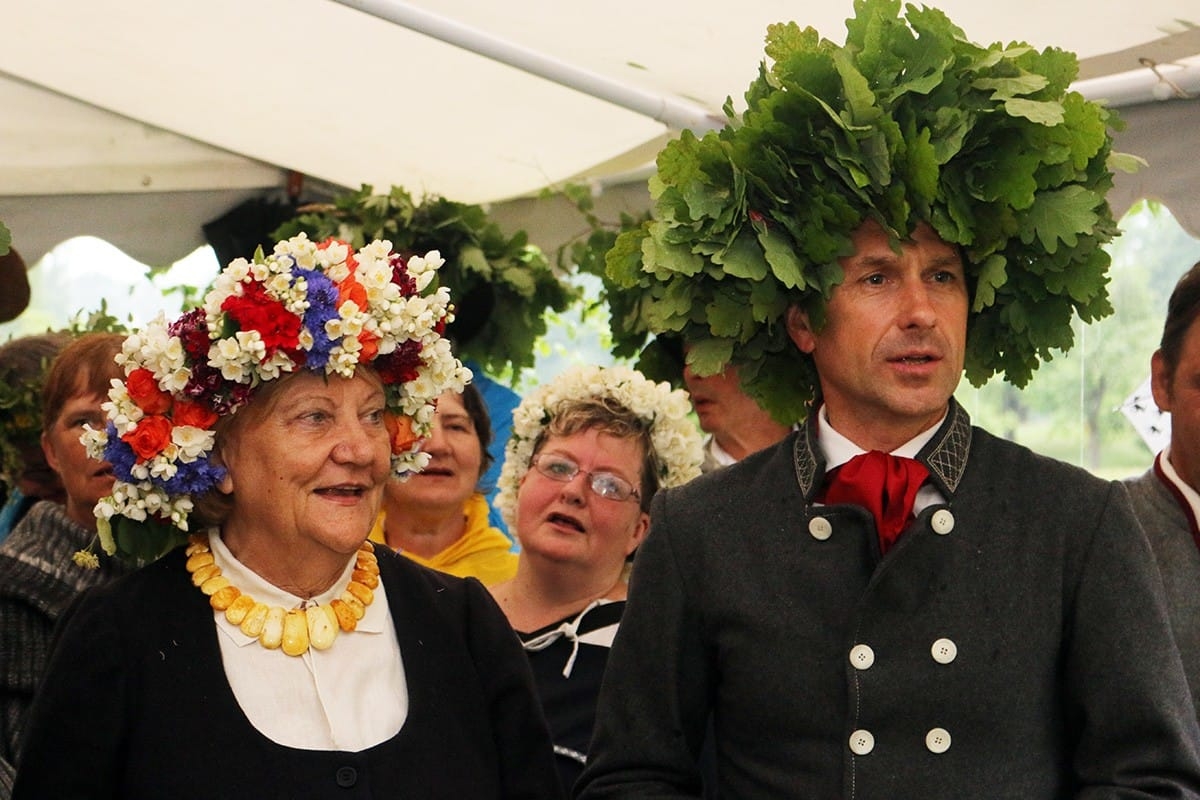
{"type": "Point", "coordinates": [400, 432]}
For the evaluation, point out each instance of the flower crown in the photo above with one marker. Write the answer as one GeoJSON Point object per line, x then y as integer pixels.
{"type": "Point", "coordinates": [676, 440]}
{"type": "Point", "coordinates": [503, 285]}
{"type": "Point", "coordinates": [321, 307]}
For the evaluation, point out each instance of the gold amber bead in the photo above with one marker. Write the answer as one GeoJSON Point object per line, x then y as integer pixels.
{"type": "Point", "coordinates": [345, 616]}
{"type": "Point", "coordinates": [356, 606]}
{"type": "Point", "coordinates": [195, 546]}
{"type": "Point", "coordinates": [272, 632]}
{"type": "Point", "coordinates": [362, 593]}
{"type": "Point", "coordinates": [214, 584]}
{"type": "Point", "coordinates": [239, 608]}
{"type": "Point", "coordinates": [365, 577]}
{"type": "Point", "coordinates": [223, 598]}
{"type": "Point", "coordinates": [198, 560]}
{"type": "Point", "coordinates": [255, 619]}
{"type": "Point", "coordinates": [204, 573]}
{"type": "Point", "coordinates": [322, 626]}
{"type": "Point", "coordinates": [295, 632]}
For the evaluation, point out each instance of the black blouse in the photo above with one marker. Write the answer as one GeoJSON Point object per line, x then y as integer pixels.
{"type": "Point", "coordinates": [568, 659]}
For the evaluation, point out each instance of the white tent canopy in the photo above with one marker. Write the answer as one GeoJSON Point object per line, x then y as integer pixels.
{"type": "Point", "coordinates": [141, 120]}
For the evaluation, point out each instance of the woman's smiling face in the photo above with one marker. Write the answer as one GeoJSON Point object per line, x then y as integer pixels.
{"type": "Point", "coordinates": [308, 469]}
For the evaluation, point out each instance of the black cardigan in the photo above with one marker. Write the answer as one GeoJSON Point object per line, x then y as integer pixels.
{"type": "Point", "coordinates": [136, 704]}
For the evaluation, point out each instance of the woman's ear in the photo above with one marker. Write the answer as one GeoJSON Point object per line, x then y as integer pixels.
{"type": "Point", "coordinates": [48, 452]}
{"type": "Point", "coordinates": [225, 485]}
{"type": "Point", "coordinates": [640, 529]}
{"type": "Point", "coordinates": [799, 328]}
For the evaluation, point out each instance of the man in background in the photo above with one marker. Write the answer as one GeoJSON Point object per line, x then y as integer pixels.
{"type": "Point", "coordinates": [1166, 497]}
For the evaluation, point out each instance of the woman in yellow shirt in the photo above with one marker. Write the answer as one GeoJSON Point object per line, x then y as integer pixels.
{"type": "Point", "coordinates": [439, 517]}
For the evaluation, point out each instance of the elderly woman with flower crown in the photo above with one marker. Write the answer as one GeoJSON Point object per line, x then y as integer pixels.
{"type": "Point", "coordinates": [277, 653]}
{"type": "Point", "coordinates": [588, 451]}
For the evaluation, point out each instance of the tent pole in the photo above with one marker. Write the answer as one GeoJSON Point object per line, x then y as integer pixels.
{"type": "Point", "coordinates": [672, 112]}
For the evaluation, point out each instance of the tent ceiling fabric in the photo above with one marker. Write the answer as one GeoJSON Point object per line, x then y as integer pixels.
{"type": "Point", "coordinates": [224, 97]}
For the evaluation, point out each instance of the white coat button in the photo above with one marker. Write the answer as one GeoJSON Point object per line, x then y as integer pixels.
{"type": "Point", "coordinates": [944, 651]}
{"type": "Point", "coordinates": [942, 521]}
{"type": "Point", "coordinates": [938, 740]}
{"type": "Point", "coordinates": [862, 656]}
{"type": "Point", "coordinates": [820, 528]}
{"type": "Point", "coordinates": [861, 742]}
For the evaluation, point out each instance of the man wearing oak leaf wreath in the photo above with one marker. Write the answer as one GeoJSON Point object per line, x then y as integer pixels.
{"type": "Point", "coordinates": [912, 607]}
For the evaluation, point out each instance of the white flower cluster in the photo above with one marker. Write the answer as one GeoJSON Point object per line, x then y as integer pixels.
{"type": "Point", "coordinates": [676, 439]}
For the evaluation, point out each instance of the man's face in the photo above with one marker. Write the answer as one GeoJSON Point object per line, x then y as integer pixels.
{"type": "Point", "coordinates": [719, 402]}
{"type": "Point", "coordinates": [1179, 393]}
{"type": "Point", "coordinates": [891, 352]}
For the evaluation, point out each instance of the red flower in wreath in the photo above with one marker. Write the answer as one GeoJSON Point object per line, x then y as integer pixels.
{"type": "Point", "coordinates": [150, 437]}
{"type": "Point", "coordinates": [143, 390]}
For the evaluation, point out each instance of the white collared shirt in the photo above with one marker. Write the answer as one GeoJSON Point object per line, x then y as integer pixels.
{"type": "Point", "coordinates": [1189, 494]}
{"type": "Point", "coordinates": [322, 699]}
{"type": "Point", "coordinates": [837, 450]}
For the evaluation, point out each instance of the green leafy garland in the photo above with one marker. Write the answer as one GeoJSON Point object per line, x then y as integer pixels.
{"type": "Point", "coordinates": [908, 122]}
{"type": "Point", "coordinates": [5, 240]}
{"type": "Point", "coordinates": [20, 420]}
{"type": "Point", "coordinates": [502, 287]}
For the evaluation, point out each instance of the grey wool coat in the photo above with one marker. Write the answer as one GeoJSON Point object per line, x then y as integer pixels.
{"type": "Point", "coordinates": [1170, 534]}
{"type": "Point", "coordinates": [1013, 644]}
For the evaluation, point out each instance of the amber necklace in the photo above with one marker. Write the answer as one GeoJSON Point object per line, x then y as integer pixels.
{"type": "Point", "coordinates": [292, 630]}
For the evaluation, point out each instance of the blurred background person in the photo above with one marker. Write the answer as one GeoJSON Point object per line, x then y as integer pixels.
{"type": "Point", "coordinates": [439, 517]}
{"type": "Point", "coordinates": [589, 450]}
{"type": "Point", "coordinates": [38, 578]}
{"type": "Point", "coordinates": [279, 654]}
{"type": "Point", "coordinates": [734, 423]}
{"type": "Point", "coordinates": [27, 477]}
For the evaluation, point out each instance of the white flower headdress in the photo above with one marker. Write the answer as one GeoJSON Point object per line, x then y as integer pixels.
{"type": "Point", "coordinates": [322, 307]}
{"type": "Point", "coordinates": [676, 439]}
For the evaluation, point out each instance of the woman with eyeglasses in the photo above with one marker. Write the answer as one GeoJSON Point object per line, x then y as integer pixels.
{"type": "Point", "coordinates": [588, 451]}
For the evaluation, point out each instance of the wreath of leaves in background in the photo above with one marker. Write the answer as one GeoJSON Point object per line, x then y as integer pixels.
{"type": "Point", "coordinates": [631, 338]}
{"type": "Point", "coordinates": [502, 286]}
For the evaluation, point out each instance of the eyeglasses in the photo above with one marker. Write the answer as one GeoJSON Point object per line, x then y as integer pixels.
{"type": "Point", "coordinates": [602, 484]}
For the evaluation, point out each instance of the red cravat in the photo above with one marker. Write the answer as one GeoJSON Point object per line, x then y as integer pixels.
{"type": "Point", "coordinates": [884, 484]}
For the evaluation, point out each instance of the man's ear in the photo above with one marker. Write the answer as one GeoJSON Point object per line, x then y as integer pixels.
{"type": "Point", "coordinates": [1160, 381]}
{"type": "Point", "coordinates": [800, 330]}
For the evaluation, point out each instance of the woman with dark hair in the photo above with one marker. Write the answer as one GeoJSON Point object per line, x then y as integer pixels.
{"type": "Point", "coordinates": [279, 654]}
{"type": "Point", "coordinates": [439, 517]}
{"type": "Point", "coordinates": [38, 578]}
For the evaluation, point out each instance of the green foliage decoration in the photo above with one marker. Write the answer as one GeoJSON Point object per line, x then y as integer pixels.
{"type": "Point", "coordinates": [586, 254]}
{"type": "Point", "coordinates": [502, 286]}
{"type": "Point", "coordinates": [5, 240]}
{"type": "Point", "coordinates": [908, 122]}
